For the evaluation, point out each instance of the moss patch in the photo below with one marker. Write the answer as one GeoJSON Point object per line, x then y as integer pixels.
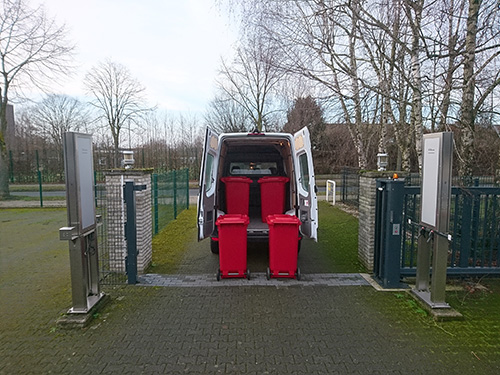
{"type": "Point", "coordinates": [338, 239]}
{"type": "Point", "coordinates": [170, 243]}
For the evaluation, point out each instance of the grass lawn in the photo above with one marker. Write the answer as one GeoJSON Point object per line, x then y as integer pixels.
{"type": "Point", "coordinates": [338, 239]}
{"type": "Point", "coordinates": [170, 243]}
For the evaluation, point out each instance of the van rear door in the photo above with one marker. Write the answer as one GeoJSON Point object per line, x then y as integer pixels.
{"type": "Point", "coordinates": [306, 184]}
{"type": "Point", "coordinates": [208, 185]}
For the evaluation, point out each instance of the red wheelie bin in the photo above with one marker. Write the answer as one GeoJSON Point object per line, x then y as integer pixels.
{"type": "Point", "coordinates": [232, 246]}
{"type": "Point", "coordinates": [237, 194]}
{"type": "Point", "coordinates": [272, 195]}
{"type": "Point", "coordinates": [283, 246]}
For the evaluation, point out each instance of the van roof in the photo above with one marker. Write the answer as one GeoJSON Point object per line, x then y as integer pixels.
{"type": "Point", "coordinates": [256, 135]}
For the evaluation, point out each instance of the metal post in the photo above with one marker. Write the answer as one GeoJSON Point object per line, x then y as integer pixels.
{"type": "Point", "coordinates": [439, 264]}
{"type": "Point", "coordinates": [466, 228]}
{"type": "Point", "coordinates": [187, 188]}
{"type": "Point", "coordinates": [175, 194]}
{"type": "Point", "coordinates": [130, 233]}
{"type": "Point", "coordinates": [344, 183]}
{"type": "Point", "coordinates": [39, 176]}
{"type": "Point", "coordinates": [155, 201]}
{"type": "Point", "coordinates": [425, 241]}
{"type": "Point", "coordinates": [395, 201]}
{"type": "Point", "coordinates": [387, 266]}
{"type": "Point", "coordinates": [435, 215]}
{"type": "Point", "coordinates": [81, 229]}
{"type": "Point", "coordinates": [131, 230]}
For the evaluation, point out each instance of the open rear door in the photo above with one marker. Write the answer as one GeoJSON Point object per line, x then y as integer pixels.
{"type": "Point", "coordinates": [306, 184]}
{"type": "Point", "coordinates": [208, 178]}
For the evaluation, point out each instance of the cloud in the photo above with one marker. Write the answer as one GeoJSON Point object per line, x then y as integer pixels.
{"type": "Point", "coordinates": [172, 47]}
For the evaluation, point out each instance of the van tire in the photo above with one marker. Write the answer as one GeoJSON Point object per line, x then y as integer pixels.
{"type": "Point", "coordinates": [214, 246]}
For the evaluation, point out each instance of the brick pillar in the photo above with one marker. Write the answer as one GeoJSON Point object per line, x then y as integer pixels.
{"type": "Point", "coordinates": [116, 217]}
{"type": "Point", "coordinates": [367, 200]}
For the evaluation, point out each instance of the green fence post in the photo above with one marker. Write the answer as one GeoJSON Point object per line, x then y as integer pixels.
{"type": "Point", "coordinates": [95, 189]}
{"type": "Point", "coordinates": [155, 201]}
{"type": "Point", "coordinates": [187, 188]}
{"type": "Point", "coordinates": [175, 194]}
{"type": "Point", "coordinates": [39, 175]}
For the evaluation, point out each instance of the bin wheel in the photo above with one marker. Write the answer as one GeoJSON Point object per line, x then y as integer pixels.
{"type": "Point", "coordinates": [248, 274]}
{"type": "Point", "coordinates": [268, 274]}
{"type": "Point", "coordinates": [298, 274]}
{"type": "Point", "coordinates": [218, 275]}
{"type": "Point", "coordinates": [299, 245]}
{"type": "Point", "coordinates": [214, 246]}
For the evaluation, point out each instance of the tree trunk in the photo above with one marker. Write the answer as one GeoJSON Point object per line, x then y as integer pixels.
{"type": "Point", "coordinates": [4, 165]}
{"type": "Point", "coordinates": [467, 117]}
{"type": "Point", "coordinates": [416, 117]}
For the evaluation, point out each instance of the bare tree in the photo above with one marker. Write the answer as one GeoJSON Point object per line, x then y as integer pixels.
{"type": "Point", "coordinates": [400, 65]}
{"type": "Point", "coordinates": [33, 50]}
{"type": "Point", "coordinates": [224, 115]}
{"type": "Point", "coordinates": [118, 98]}
{"type": "Point", "coordinates": [252, 78]}
{"type": "Point", "coordinates": [57, 114]}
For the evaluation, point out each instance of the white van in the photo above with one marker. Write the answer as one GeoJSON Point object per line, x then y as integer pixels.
{"type": "Point", "coordinates": [257, 155]}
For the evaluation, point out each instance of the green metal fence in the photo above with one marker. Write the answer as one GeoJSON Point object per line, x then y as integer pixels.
{"type": "Point", "coordinates": [474, 226]}
{"type": "Point", "coordinates": [170, 195]}
{"type": "Point", "coordinates": [350, 186]}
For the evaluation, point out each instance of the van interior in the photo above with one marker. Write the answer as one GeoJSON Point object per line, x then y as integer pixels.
{"type": "Point", "coordinates": [255, 157]}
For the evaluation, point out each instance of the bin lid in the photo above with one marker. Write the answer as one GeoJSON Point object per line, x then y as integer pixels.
{"type": "Point", "coordinates": [274, 179]}
{"type": "Point", "coordinates": [232, 219]}
{"type": "Point", "coordinates": [236, 179]}
{"type": "Point", "coordinates": [283, 219]}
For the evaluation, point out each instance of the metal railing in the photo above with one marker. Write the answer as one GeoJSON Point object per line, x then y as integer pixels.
{"type": "Point", "coordinates": [170, 195]}
{"type": "Point", "coordinates": [474, 227]}
{"type": "Point", "coordinates": [350, 186]}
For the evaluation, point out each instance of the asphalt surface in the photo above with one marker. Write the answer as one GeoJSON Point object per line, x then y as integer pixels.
{"type": "Point", "coordinates": [188, 323]}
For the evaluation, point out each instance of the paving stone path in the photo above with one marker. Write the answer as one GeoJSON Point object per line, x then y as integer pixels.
{"type": "Point", "coordinates": [258, 279]}
{"type": "Point", "coordinates": [189, 323]}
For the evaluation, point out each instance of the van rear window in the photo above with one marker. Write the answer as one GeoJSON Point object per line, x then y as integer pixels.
{"type": "Point", "coordinates": [249, 168]}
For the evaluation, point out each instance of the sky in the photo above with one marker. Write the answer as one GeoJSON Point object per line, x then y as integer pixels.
{"type": "Point", "coordinates": [172, 47]}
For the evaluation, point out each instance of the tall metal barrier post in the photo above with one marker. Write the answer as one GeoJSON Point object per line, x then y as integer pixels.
{"type": "Point", "coordinates": [82, 222]}
{"type": "Point", "coordinates": [388, 220]}
{"type": "Point", "coordinates": [131, 230]}
{"type": "Point", "coordinates": [437, 151]}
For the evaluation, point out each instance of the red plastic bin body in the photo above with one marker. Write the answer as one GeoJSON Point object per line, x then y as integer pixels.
{"type": "Point", "coordinates": [237, 194]}
{"type": "Point", "coordinates": [283, 245]}
{"type": "Point", "coordinates": [233, 245]}
{"type": "Point", "coordinates": [272, 195]}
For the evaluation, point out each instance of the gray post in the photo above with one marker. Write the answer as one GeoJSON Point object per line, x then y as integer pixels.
{"type": "Point", "coordinates": [438, 280]}
{"type": "Point", "coordinates": [387, 266]}
{"type": "Point", "coordinates": [435, 217]}
{"type": "Point", "coordinates": [423, 261]}
{"type": "Point", "coordinates": [80, 232]}
{"type": "Point", "coordinates": [131, 230]}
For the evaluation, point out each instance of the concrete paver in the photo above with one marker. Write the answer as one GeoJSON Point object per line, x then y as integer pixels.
{"type": "Point", "coordinates": [231, 330]}
{"type": "Point", "coordinates": [189, 323]}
